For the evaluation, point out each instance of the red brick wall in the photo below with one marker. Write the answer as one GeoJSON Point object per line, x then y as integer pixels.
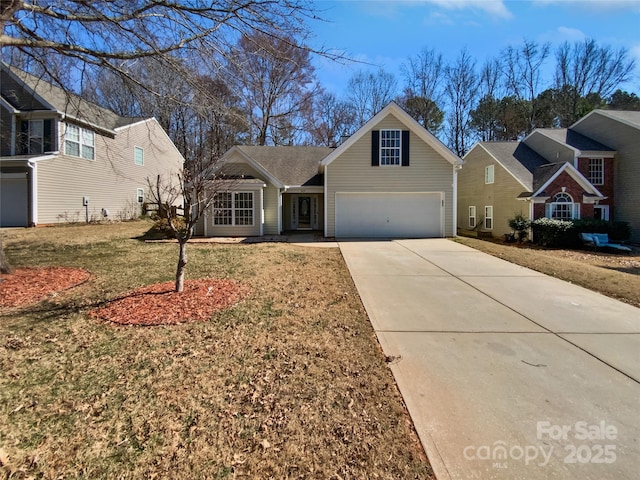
{"type": "Point", "coordinates": [606, 189]}
{"type": "Point", "coordinates": [572, 188]}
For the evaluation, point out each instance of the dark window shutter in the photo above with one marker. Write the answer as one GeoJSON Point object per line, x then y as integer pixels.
{"type": "Point", "coordinates": [405, 148]}
{"type": "Point", "coordinates": [48, 137]}
{"type": "Point", "coordinates": [375, 148]}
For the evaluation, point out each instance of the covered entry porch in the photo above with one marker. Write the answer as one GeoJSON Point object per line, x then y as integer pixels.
{"type": "Point", "coordinates": [303, 209]}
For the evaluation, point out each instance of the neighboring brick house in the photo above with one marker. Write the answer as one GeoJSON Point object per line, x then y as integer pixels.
{"type": "Point", "coordinates": [621, 131]}
{"type": "Point", "coordinates": [65, 159]}
{"type": "Point", "coordinates": [553, 173]}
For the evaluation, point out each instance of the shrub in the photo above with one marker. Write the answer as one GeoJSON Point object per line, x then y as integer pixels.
{"type": "Point", "coordinates": [554, 233]}
{"type": "Point", "coordinates": [161, 225]}
{"type": "Point", "coordinates": [565, 233]}
{"type": "Point", "coordinates": [520, 225]}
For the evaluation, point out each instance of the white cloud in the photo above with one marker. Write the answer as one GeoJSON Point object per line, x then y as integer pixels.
{"type": "Point", "coordinates": [495, 8]}
{"type": "Point", "coordinates": [569, 34]}
{"type": "Point", "coordinates": [594, 5]}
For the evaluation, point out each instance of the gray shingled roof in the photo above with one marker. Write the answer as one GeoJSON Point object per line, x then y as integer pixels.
{"type": "Point", "coordinates": [64, 102]}
{"type": "Point", "coordinates": [291, 165]}
{"type": "Point", "coordinates": [627, 116]}
{"type": "Point", "coordinates": [575, 140]}
{"type": "Point", "coordinates": [543, 173]}
{"type": "Point", "coordinates": [517, 158]}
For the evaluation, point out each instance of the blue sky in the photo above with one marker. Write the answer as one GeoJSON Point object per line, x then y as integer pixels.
{"type": "Point", "coordinates": [386, 32]}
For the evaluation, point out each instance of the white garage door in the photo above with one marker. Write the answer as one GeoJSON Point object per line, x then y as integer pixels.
{"type": "Point", "coordinates": [389, 215]}
{"type": "Point", "coordinates": [13, 200]}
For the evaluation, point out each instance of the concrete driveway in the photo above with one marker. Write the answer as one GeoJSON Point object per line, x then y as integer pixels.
{"type": "Point", "coordinates": [506, 372]}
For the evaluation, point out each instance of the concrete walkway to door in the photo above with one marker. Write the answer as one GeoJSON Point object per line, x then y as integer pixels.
{"type": "Point", "coordinates": [507, 373]}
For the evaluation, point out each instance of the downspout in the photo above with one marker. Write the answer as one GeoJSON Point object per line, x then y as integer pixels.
{"type": "Point", "coordinates": [324, 199]}
{"type": "Point", "coordinates": [455, 200]}
{"type": "Point", "coordinates": [33, 193]}
{"type": "Point", "coordinates": [531, 220]}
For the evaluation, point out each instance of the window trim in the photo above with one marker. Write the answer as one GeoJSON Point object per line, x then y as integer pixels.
{"type": "Point", "coordinates": [233, 209]}
{"type": "Point", "coordinates": [573, 208]}
{"type": "Point", "coordinates": [487, 209]}
{"type": "Point", "coordinates": [32, 122]}
{"type": "Point", "coordinates": [397, 158]}
{"type": "Point", "coordinates": [472, 208]}
{"type": "Point", "coordinates": [489, 178]}
{"type": "Point", "coordinates": [137, 149]}
{"type": "Point", "coordinates": [80, 142]}
{"type": "Point", "coordinates": [600, 173]}
{"type": "Point", "coordinates": [140, 195]}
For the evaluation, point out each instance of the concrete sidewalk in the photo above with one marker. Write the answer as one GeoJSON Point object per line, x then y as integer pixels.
{"type": "Point", "coordinates": [506, 372]}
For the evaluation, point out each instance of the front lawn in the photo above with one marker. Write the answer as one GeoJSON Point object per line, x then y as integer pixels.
{"type": "Point", "coordinates": [288, 383]}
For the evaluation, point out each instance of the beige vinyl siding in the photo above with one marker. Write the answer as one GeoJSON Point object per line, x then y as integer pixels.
{"type": "Point", "coordinates": [550, 149]}
{"type": "Point", "coordinates": [212, 230]}
{"type": "Point", "coordinates": [501, 194]}
{"type": "Point", "coordinates": [270, 195]}
{"type": "Point", "coordinates": [352, 172]}
{"type": "Point", "coordinates": [238, 167]}
{"type": "Point", "coordinates": [110, 181]}
{"type": "Point", "coordinates": [626, 164]}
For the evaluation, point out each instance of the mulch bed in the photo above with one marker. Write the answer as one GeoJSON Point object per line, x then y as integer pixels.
{"type": "Point", "coordinates": [159, 304]}
{"type": "Point", "coordinates": [30, 285]}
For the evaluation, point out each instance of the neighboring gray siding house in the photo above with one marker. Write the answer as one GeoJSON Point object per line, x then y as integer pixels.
{"type": "Point", "coordinates": [621, 131]}
{"type": "Point", "coordinates": [59, 152]}
{"type": "Point", "coordinates": [391, 178]}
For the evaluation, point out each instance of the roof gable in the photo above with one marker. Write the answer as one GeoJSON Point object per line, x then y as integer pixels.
{"type": "Point", "coordinates": [27, 92]}
{"type": "Point", "coordinates": [393, 109]}
{"type": "Point", "coordinates": [283, 166]}
{"type": "Point", "coordinates": [516, 158]}
{"type": "Point", "coordinates": [627, 117]}
{"type": "Point", "coordinates": [545, 175]}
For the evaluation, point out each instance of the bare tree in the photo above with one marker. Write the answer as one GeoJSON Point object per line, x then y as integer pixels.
{"type": "Point", "coordinates": [276, 79]}
{"type": "Point", "coordinates": [461, 90]}
{"type": "Point", "coordinates": [423, 92]}
{"type": "Point", "coordinates": [369, 92]}
{"type": "Point", "coordinates": [484, 119]}
{"type": "Point", "coordinates": [329, 120]}
{"type": "Point", "coordinates": [113, 35]}
{"type": "Point", "coordinates": [586, 69]}
{"type": "Point", "coordinates": [522, 68]}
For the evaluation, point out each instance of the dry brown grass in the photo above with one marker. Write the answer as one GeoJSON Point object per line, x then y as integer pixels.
{"type": "Point", "coordinates": [289, 383]}
{"type": "Point", "coordinates": [614, 275]}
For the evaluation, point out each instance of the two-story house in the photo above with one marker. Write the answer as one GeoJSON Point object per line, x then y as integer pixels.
{"type": "Point", "coordinates": [552, 173]}
{"type": "Point", "coordinates": [65, 159]}
{"type": "Point", "coordinates": [390, 179]}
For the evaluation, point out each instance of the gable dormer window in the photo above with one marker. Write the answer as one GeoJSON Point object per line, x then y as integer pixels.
{"type": "Point", "coordinates": [79, 142]}
{"type": "Point", "coordinates": [390, 148]}
{"type": "Point", "coordinates": [390, 144]}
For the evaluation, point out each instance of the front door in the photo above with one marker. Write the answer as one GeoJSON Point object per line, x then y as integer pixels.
{"type": "Point", "coordinates": [304, 212]}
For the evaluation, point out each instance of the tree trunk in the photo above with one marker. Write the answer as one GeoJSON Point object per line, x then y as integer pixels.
{"type": "Point", "coordinates": [182, 263]}
{"type": "Point", "coordinates": [5, 267]}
